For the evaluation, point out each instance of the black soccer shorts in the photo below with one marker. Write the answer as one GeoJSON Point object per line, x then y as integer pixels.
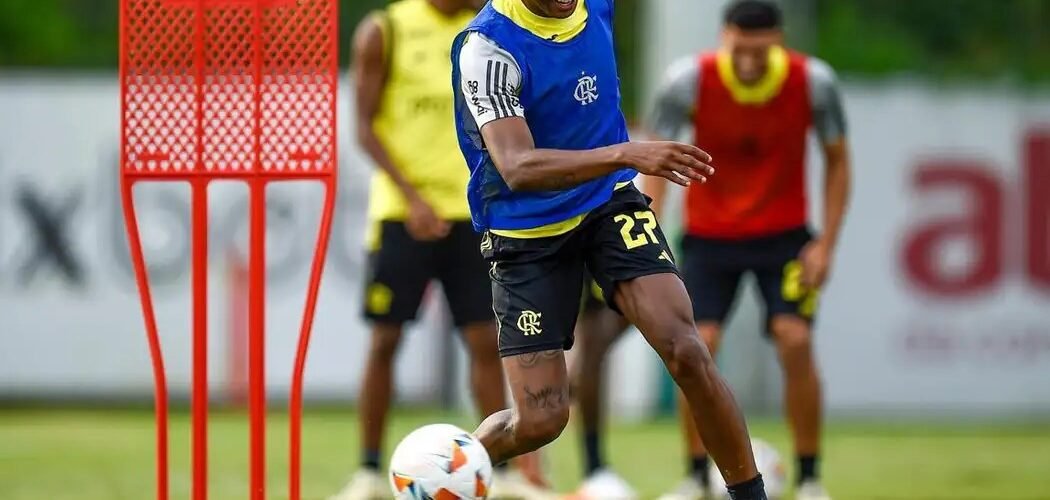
{"type": "Point", "coordinates": [401, 268]}
{"type": "Point", "coordinates": [537, 282]}
{"type": "Point", "coordinates": [713, 269]}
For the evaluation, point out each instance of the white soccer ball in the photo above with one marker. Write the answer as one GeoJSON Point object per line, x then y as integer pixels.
{"type": "Point", "coordinates": [769, 465]}
{"type": "Point", "coordinates": [440, 462]}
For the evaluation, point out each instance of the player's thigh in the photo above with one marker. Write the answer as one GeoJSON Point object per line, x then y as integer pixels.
{"type": "Point", "coordinates": [399, 269]}
{"type": "Point", "coordinates": [624, 242]}
{"type": "Point", "coordinates": [659, 306]}
{"type": "Point", "coordinates": [790, 305]}
{"type": "Point", "coordinates": [464, 276]}
{"type": "Point", "coordinates": [536, 286]}
{"type": "Point", "coordinates": [712, 274]}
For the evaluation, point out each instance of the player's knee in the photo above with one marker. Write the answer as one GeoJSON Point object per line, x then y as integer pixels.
{"type": "Point", "coordinates": [385, 340]}
{"type": "Point", "coordinates": [540, 426]}
{"type": "Point", "coordinates": [794, 341]}
{"type": "Point", "coordinates": [793, 335]}
{"type": "Point", "coordinates": [685, 355]}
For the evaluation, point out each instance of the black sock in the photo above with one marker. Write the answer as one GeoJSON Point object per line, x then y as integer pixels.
{"type": "Point", "coordinates": [752, 489]}
{"type": "Point", "coordinates": [370, 459]}
{"type": "Point", "coordinates": [807, 468]}
{"type": "Point", "coordinates": [698, 469]}
{"type": "Point", "coordinates": [592, 449]}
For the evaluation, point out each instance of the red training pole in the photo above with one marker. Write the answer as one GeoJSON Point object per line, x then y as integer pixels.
{"type": "Point", "coordinates": [199, 398]}
{"type": "Point", "coordinates": [256, 338]}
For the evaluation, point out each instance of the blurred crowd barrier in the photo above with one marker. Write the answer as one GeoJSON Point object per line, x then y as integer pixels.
{"type": "Point", "coordinates": [938, 304]}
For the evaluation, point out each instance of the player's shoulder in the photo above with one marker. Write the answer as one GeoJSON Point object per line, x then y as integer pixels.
{"type": "Point", "coordinates": [475, 40]}
{"type": "Point", "coordinates": [819, 71]}
{"type": "Point", "coordinates": [371, 36]}
{"type": "Point", "coordinates": [478, 47]}
{"type": "Point", "coordinates": [683, 68]}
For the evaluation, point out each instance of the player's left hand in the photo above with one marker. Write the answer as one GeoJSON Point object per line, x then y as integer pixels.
{"type": "Point", "coordinates": [816, 260]}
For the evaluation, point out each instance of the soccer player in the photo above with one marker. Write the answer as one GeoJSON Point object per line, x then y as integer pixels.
{"type": "Point", "coordinates": [420, 221]}
{"type": "Point", "coordinates": [752, 104]}
{"type": "Point", "coordinates": [539, 122]}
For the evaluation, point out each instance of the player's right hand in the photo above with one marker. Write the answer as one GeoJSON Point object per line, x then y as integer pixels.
{"type": "Point", "coordinates": [423, 223]}
{"type": "Point", "coordinates": [674, 161]}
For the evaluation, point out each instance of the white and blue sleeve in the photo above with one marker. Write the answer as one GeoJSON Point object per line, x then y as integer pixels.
{"type": "Point", "coordinates": [490, 80]}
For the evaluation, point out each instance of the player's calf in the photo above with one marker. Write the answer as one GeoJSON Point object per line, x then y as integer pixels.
{"type": "Point", "coordinates": [376, 390]}
{"type": "Point", "coordinates": [802, 391]}
{"type": "Point", "coordinates": [511, 433]}
{"type": "Point", "coordinates": [540, 389]}
{"type": "Point", "coordinates": [544, 421]}
{"type": "Point", "coordinates": [485, 366]}
{"type": "Point", "coordinates": [659, 306]}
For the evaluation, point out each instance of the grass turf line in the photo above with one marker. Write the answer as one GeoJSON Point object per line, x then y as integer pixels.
{"type": "Point", "coordinates": [108, 455]}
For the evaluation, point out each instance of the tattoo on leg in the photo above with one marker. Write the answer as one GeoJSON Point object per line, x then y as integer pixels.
{"type": "Point", "coordinates": [548, 397]}
{"type": "Point", "coordinates": [530, 359]}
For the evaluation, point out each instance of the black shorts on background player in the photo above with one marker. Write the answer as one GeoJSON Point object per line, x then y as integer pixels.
{"type": "Point", "coordinates": [592, 300]}
{"type": "Point", "coordinates": [713, 269]}
{"type": "Point", "coordinates": [402, 267]}
{"type": "Point", "coordinates": [537, 283]}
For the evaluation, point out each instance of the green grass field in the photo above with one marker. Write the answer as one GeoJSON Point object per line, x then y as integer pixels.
{"type": "Point", "coordinates": [108, 455]}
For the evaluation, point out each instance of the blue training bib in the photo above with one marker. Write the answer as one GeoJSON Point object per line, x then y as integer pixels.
{"type": "Point", "coordinates": [571, 95]}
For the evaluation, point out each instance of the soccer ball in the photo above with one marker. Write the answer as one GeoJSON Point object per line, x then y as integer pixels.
{"type": "Point", "coordinates": [440, 462]}
{"type": "Point", "coordinates": [769, 465]}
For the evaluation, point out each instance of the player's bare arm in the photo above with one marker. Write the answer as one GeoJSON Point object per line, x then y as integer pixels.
{"type": "Point", "coordinates": [672, 112]}
{"type": "Point", "coordinates": [816, 257]}
{"type": "Point", "coordinates": [526, 168]}
{"type": "Point", "coordinates": [369, 72]}
{"type": "Point", "coordinates": [830, 124]}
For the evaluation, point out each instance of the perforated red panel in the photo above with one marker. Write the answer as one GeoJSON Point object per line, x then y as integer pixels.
{"type": "Point", "coordinates": [228, 87]}
{"type": "Point", "coordinates": [228, 94]}
{"type": "Point", "coordinates": [159, 84]}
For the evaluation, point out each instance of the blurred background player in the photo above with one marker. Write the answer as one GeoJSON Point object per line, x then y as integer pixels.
{"type": "Point", "coordinates": [420, 222]}
{"type": "Point", "coordinates": [752, 104]}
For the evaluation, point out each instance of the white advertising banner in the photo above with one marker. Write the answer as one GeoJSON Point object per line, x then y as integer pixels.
{"type": "Point", "coordinates": [941, 293]}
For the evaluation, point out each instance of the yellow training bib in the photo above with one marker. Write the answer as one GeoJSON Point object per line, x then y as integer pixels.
{"type": "Point", "coordinates": [415, 120]}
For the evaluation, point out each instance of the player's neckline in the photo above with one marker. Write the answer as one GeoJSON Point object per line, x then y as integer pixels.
{"type": "Point", "coordinates": [553, 43]}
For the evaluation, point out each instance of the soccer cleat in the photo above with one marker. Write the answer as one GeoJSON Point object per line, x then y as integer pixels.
{"type": "Point", "coordinates": [811, 490]}
{"type": "Point", "coordinates": [605, 484]}
{"type": "Point", "coordinates": [512, 485]}
{"type": "Point", "coordinates": [367, 484]}
{"type": "Point", "coordinates": [689, 489]}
